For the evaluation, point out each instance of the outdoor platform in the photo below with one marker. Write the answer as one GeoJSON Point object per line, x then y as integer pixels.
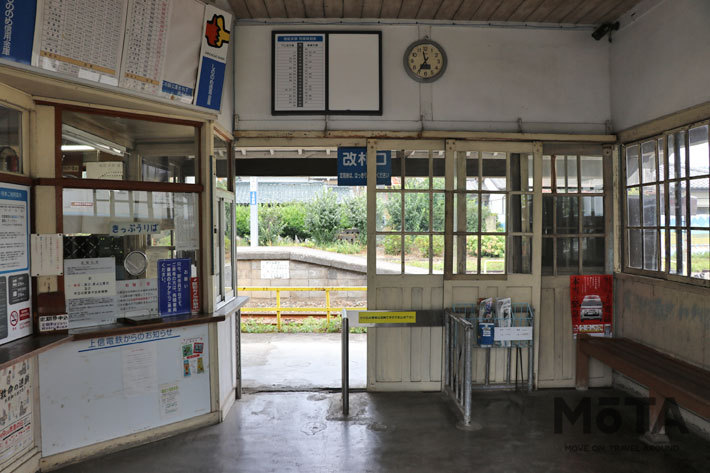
{"type": "Point", "coordinates": [398, 432]}
{"type": "Point", "coordinates": [300, 361]}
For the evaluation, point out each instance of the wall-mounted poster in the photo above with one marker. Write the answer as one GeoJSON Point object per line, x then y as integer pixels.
{"type": "Point", "coordinates": [174, 286]}
{"type": "Point", "coordinates": [213, 57]}
{"type": "Point", "coordinates": [18, 29]}
{"type": "Point", "coordinates": [15, 410]}
{"type": "Point", "coordinates": [144, 46]}
{"type": "Point", "coordinates": [15, 287]}
{"type": "Point", "coordinates": [90, 291]}
{"type": "Point", "coordinates": [591, 300]}
{"type": "Point", "coordinates": [80, 38]}
{"type": "Point", "coordinates": [299, 69]}
{"type": "Point", "coordinates": [183, 51]}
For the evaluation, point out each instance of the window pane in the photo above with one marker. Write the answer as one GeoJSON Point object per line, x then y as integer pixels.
{"type": "Point", "coordinates": [472, 210]}
{"type": "Point", "coordinates": [118, 148]}
{"type": "Point", "coordinates": [699, 203]}
{"type": "Point", "coordinates": [648, 161]}
{"type": "Point", "coordinates": [389, 251]}
{"type": "Point", "coordinates": [438, 253]}
{"type": "Point", "coordinates": [567, 255]}
{"type": "Point", "coordinates": [493, 212]}
{"type": "Point", "coordinates": [699, 157]}
{"type": "Point", "coordinates": [661, 160]}
{"type": "Point", "coordinates": [10, 140]}
{"type": "Point", "coordinates": [494, 171]}
{"type": "Point", "coordinates": [466, 254]}
{"type": "Point", "coordinates": [635, 248]}
{"type": "Point", "coordinates": [547, 255]}
{"type": "Point", "coordinates": [677, 203]}
{"type": "Point", "coordinates": [521, 213]}
{"type": "Point", "coordinates": [228, 262]}
{"type": "Point", "coordinates": [492, 254]}
{"type": "Point", "coordinates": [521, 172]}
{"type": "Point", "coordinates": [679, 252]}
{"type": "Point", "coordinates": [416, 212]}
{"type": "Point", "coordinates": [416, 167]}
{"type": "Point", "coordinates": [633, 217]}
{"type": "Point", "coordinates": [663, 250]}
{"type": "Point", "coordinates": [567, 215]}
{"type": "Point", "coordinates": [592, 169]}
{"type": "Point", "coordinates": [546, 174]}
{"type": "Point", "coordinates": [221, 153]}
{"type": "Point", "coordinates": [593, 214]}
{"type": "Point", "coordinates": [166, 229]}
{"type": "Point", "coordinates": [593, 255]}
{"type": "Point", "coordinates": [662, 204]}
{"type": "Point", "coordinates": [649, 205]}
{"type": "Point", "coordinates": [700, 254]}
{"type": "Point", "coordinates": [572, 184]}
{"type": "Point", "coordinates": [438, 204]}
{"type": "Point", "coordinates": [416, 254]}
{"type": "Point", "coordinates": [389, 212]}
{"type": "Point", "coordinates": [676, 155]}
{"type": "Point", "coordinates": [560, 174]}
{"type": "Point", "coordinates": [632, 165]}
{"type": "Point", "coordinates": [548, 209]}
{"type": "Point", "coordinates": [650, 250]}
{"type": "Point", "coordinates": [520, 257]}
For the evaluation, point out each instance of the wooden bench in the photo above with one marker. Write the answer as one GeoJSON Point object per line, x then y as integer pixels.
{"type": "Point", "coordinates": [665, 377]}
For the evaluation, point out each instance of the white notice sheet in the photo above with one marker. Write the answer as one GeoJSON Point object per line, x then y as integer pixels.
{"type": "Point", "coordinates": [299, 68]}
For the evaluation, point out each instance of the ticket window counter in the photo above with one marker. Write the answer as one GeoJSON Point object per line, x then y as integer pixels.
{"type": "Point", "coordinates": [131, 197]}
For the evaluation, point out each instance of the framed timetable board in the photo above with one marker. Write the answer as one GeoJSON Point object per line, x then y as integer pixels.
{"type": "Point", "coordinates": [326, 73]}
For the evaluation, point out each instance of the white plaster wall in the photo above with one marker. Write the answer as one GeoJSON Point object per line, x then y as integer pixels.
{"type": "Point", "coordinates": [555, 80]}
{"type": "Point", "coordinates": [660, 60]}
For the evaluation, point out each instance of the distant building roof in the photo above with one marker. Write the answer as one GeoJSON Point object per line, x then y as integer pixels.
{"type": "Point", "coordinates": [283, 192]}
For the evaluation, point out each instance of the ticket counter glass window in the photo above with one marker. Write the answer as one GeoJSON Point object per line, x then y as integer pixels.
{"type": "Point", "coordinates": [118, 148]}
{"type": "Point", "coordinates": [131, 204]}
{"type": "Point", "coordinates": [224, 238]}
{"type": "Point", "coordinates": [10, 140]}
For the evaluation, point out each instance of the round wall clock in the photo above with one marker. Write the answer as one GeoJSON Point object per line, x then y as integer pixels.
{"type": "Point", "coordinates": [135, 263]}
{"type": "Point", "coordinates": [425, 60]}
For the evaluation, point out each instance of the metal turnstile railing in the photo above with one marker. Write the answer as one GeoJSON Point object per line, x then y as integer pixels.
{"type": "Point", "coordinates": [460, 343]}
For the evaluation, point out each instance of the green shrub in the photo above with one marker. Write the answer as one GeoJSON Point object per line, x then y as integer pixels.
{"type": "Point", "coordinates": [294, 219]}
{"type": "Point", "coordinates": [472, 246]}
{"type": "Point", "coordinates": [241, 220]}
{"type": "Point", "coordinates": [392, 244]}
{"type": "Point", "coordinates": [354, 215]}
{"type": "Point", "coordinates": [270, 224]}
{"type": "Point", "coordinates": [323, 217]}
{"type": "Point", "coordinates": [421, 244]}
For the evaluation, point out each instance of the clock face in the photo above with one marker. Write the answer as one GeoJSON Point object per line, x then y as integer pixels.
{"type": "Point", "coordinates": [425, 61]}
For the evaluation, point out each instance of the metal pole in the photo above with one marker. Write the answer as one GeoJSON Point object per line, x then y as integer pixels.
{"type": "Point", "coordinates": [327, 307]}
{"type": "Point", "coordinates": [467, 378]}
{"type": "Point", "coordinates": [447, 355]}
{"type": "Point", "coordinates": [278, 310]}
{"type": "Point", "coordinates": [345, 363]}
{"type": "Point", "coordinates": [253, 211]}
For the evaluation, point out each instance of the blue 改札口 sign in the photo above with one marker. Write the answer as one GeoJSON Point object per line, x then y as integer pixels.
{"type": "Point", "coordinates": [174, 286]}
{"type": "Point", "coordinates": [352, 167]}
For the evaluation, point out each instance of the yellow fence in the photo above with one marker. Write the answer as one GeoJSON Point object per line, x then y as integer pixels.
{"type": "Point", "coordinates": [279, 309]}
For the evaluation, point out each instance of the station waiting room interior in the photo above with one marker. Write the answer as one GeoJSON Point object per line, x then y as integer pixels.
{"type": "Point", "coordinates": [535, 177]}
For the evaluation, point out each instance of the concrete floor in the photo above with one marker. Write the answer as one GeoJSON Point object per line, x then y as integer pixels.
{"type": "Point", "coordinates": [300, 361]}
{"type": "Point", "coordinates": [396, 432]}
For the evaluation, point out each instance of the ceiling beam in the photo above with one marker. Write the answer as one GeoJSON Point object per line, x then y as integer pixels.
{"type": "Point", "coordinates": [295, 8]}
{"type": "Point", "coordinates": [544, 9]}
{"type": "Point", "coordinates": [257, 8]}
{"type": "Point", "coordinates": [276, 9]}
{"type": "Point", "coordinates": [505, 9]}
{"type": "Point", "coordinates": [467, 9]}
{"type": "Point", "coordinates": [526, 9]}
{"type": "Point", "coordinates": [314, 8]}
{"type": "Point", "coordinates": [486, 10]}
{"type": "Point", "coordinates": [352, 9]}
{"type": "Point", "coordinates": [447, 9]}
{"type": "Point", "coordinates": [428, 9]}
{"type": "Point", "coordinates": [239, 7]}
{"type": "Point", "coordinates": [372, 8]}
{"type": "Point", "coordinates": [409, 9]}
{"type": "Point", "coordinates": [390, 8]}
{"type": "Point", "coordinates": [333, 8]}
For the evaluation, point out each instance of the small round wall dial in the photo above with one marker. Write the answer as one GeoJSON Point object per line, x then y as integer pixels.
{"type": "Point", "coordinates": [425, 60]}
{"type": "Point", "coordinates": [135, 263]}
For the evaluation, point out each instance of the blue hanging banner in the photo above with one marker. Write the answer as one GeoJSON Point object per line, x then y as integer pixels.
{"type": "Point", "coordinates": [352, 167]}
{"type": "Point", "coordinates": [174, 286]}
{"type": "Point", "coordinates": [213, 57]}
{"type": "Point", "coordinates": [18, 19]}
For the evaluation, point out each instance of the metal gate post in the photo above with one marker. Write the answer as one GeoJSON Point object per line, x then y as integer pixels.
{"type": "Point", "coordinates": [468, 375]}
{"type": "Point", "coordinates": [345, 362]}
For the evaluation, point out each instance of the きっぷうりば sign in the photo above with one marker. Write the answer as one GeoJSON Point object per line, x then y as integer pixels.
{"type": "Point", "coordinates": [352, 166]}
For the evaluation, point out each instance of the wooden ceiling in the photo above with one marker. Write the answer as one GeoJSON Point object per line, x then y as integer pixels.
{"type": "Point", "coordinates": [583, 12]}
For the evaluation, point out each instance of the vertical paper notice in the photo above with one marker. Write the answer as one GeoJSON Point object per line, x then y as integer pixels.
{"type": "Point", "coordinates": [90, 291]}
{"type": "Point", "coordinates": [299, 68]}
{"type": "Point", "coordinates": [15, 410]}
{"type": "Point", "coordinates": [81, 38]}
{"type": "Point", "coordinates": [169, 399]}
{"type": "Point", "coordinates": [16, 298]}
{"type": "Point", "coordinates": [145, 44]}
{"type": "Point", "coordinates": [139, 369]}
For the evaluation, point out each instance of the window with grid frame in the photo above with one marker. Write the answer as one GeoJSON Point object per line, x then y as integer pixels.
{"type": "Point", "coordinates": [493, 213]}
{"type": "Point", "coordinates": [573, 222]}
{"type": "Point", "coordinates": [409, 228]}
{"type": "Point", "coordinates": [667, 205]}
